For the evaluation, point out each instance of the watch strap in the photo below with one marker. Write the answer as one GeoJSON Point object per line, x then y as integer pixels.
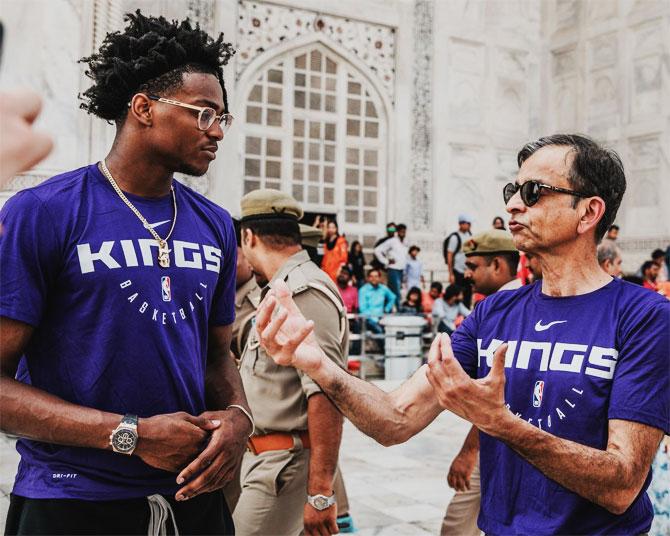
{"type": "Point", "coordinates": [129, 419]}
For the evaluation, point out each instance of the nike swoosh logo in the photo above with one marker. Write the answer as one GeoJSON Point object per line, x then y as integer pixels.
{"type": "Point", "coordinates": [154, 225]}
{"type": "Point", "coordinates": [540, 327]}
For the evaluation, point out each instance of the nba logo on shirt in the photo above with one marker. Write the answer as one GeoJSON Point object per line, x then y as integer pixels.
{"type": "Point", "coordinates": [165, 287]}
{"type": "Point", "coordinates": [537, 393]}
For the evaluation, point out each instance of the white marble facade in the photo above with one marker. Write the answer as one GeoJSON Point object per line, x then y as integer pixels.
{"type": "Point", "coordinates": [457, 85]}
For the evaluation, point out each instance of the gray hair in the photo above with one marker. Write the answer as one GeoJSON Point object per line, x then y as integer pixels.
{"type": "Point", "coordinates": [608, 250]}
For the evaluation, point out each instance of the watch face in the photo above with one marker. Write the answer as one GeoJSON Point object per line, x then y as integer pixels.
{"type": "Point", "coordinates": [321, 503]}
{"type": "Point", "coordinates": [124, 440]}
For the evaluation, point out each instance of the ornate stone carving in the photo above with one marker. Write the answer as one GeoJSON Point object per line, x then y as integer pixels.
{"type": "Point", "coordinates": [422, 111]}
{"type": "Point", "coordinates": [202, 11]}
{"type": "Point", "coordinates": [466, 160]}
{"type": "Point", "coordinates": [603, 51]}
{"type": "Point", "coordinates": [467, 56]}
{"type": "Point", "coordinates": [511, 63]}
{"type": "Point", "coordinates": [564, 62]}
{"type": "Point", "coordinates": [262, 26]}
{"type": "Point", "coordinates": [565, 104]}
{"type": "Point", "coordinates": [465, 103]}
{"type": "Point", "coordinates": [647, 86]}
{"type": "Point", "coordinates": [567, 14]}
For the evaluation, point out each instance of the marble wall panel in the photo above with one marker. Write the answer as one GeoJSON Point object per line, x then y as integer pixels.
{"type": "Point", "coordinates": [645, 152]}
{"type": "Point", "coordinates": [603, 98]}
{"type": "Point", "coordinates": [648, 38]}
{"type": "Point", "coordinates": [565, 104]}
{"type": "Point", "coordinates": [647, 94]}
{"type": "Point", "coordinates": [601, 10]}
{"type": "Point", "coordinates": [511, 63]}
{"type": "Point", "coordinates": [564, 62]}
{"type": "Point", "coordinates": [602, 51]}
{"type": "Point", "coordinates": [466, 160]}
{"type": "Point", "coordinates": [567, 13]}
{"type": "Point", "coordinates": [506, 166]}
{"type": "Point", "coordinates": [467, 56]}
{"type": "Point", "coordinates": [469, 13]}
{"type": "Point", "coordinates": [510, 112]}
{"type": "Point", "coordinates": [466, 100]}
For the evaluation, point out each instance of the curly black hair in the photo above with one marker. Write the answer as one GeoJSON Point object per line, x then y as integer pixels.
{"type": "Point", "coordinates": [150, 55]}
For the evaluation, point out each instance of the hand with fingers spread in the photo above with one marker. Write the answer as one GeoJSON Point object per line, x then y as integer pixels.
{"type": "Point", "coordinates": [480, 401]}
{"type": "Point", "coordinates": [215, 466]}
{"type": "Point", "coordinates": [21, 147]}
{"type": "Point", "coordinates": [285, 334]}
{"type": "Point", "coordinates": [171, 441]}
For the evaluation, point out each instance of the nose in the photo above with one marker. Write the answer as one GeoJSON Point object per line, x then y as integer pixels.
{"type": "Point", "coordinates": [515, 204]}
{"type": "Point", "coordinates": [215, 131]}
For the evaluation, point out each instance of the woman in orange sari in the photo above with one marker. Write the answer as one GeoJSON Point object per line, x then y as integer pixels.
{"type": "Point", "coordinates": [335, 251]}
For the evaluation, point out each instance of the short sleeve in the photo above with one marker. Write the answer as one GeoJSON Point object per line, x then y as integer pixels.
{"type": "Point", "coordinates": [30, 258]}
{"type": "Point", "coordinates": [452, 243]}
{"type": "Point", "coordinates": [641, 383]}
{"type": "Point", "coordinates": [317, 307]}
{"type": "Point", "coordinates": [464, 344]}
{"type": "Point", "coordinates": [223, 305]}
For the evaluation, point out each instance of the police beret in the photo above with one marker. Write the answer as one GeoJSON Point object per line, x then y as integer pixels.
{"type": "Point", "coordinates": [267, 203]}
{"type": "Point", "coordinates": [489, 243]}
{"type": "Point", "coordinates": [310, 235]}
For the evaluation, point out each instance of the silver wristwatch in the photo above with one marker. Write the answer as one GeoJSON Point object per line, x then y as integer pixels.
{"type": "Point", "coordinates": [321, 502]}
{"type": "Point", "coordinates": [124, 437]}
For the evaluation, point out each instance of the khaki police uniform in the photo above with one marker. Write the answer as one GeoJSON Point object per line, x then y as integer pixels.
{"type": "Point", "coordinates": [274, 482]}
{"type": "Point", "coordinates": [247, 299]}
{"type": "Point", "coordinates": [463, 510]}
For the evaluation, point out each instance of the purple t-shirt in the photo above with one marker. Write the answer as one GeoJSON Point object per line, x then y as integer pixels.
{"type": "Point", "coordinates": [572, 364]}
{"type": "Point", "coordinates": [113, 330]}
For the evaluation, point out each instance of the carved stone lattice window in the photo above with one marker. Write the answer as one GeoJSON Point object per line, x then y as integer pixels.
{"type": "Point", "coordinates": [314, 128]}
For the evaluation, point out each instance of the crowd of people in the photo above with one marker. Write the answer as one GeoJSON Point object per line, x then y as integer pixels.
{"type": "Point", "coordinates": [117, 334]}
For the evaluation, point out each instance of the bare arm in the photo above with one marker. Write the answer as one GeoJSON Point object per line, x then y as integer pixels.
{"type": "Point", "coordinates": [216, 465]}
{"type": "Point", "coordinates": [325, 433]}
{"type": "Point", "coordinates": [389, 418]}
{"type": "Point", "coordinates": [165, 441]}
{"type": "Point", "coordinates": [35, 414]}
{"type": "Point", "coordinates": [611, 478]}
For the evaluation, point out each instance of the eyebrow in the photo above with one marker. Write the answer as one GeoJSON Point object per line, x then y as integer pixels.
{"type": "Point", "coordinates": [210, 104]}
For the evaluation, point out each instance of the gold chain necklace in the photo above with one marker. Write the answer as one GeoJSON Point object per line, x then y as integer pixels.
{"type": "Point", "coordinates": [163, 251]}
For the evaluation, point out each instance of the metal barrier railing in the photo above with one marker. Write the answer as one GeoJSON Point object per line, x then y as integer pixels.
{"type": "Point", "coordinates": [360, 333]}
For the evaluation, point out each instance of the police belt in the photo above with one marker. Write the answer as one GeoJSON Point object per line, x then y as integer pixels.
{"type": "Point", "coordinates": [277, 441]}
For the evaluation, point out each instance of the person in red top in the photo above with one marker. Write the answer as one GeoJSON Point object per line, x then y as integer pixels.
{"type": "Point", "coordinates": [649, 274]}
{"type": "Point", "coordinates": [348, 292]}
{"type": "Point", "coordinates": [335, 251]}
{"type": "Point", "coordinates": [428, 298]}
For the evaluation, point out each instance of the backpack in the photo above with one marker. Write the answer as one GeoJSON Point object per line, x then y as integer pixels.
{"type": "Point", "coordinates": [446, 243]}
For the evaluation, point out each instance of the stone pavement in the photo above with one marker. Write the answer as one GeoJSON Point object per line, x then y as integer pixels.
{"type": "Point", "coordinates": [399, 490]}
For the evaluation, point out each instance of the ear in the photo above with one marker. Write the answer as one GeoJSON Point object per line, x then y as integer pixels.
{"type": "Point", "coordinates": [591, 212]}
{"type": "Point", "coordinates": [248, 238]}
{"type": "Point", "coordinates": [140, 108]}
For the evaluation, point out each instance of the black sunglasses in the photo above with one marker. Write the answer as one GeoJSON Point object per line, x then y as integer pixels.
{"type": "Point", "coordinates": [530, 191]}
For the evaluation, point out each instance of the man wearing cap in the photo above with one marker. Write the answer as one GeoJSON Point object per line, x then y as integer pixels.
{"type": "Point", "coordinates": [566, 379]}
{"type": "Point", "coordinates": [288, 472]}
{"type": "Point", "coordinates": [491, 263]}
{"type": "Point", "coordinates": [454, 258]}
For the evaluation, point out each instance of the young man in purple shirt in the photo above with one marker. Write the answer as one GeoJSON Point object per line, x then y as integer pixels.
{"type": "Point", "coordinates": [117, 299]}
{"type": "Point", "coordinates": [566, 379]}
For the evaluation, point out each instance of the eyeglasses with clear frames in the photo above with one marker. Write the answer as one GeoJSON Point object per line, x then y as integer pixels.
{"type": "Point", "coordinates": [206, 115]}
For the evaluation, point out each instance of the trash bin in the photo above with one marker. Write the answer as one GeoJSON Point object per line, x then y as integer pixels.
{"type": "Point", "coordinates": [403, 351]}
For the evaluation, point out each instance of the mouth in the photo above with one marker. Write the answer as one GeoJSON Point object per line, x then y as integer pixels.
{"type": "Point", "coordinates": [210, 151]}
{"type": "Point", "coordinates": [515, 226]}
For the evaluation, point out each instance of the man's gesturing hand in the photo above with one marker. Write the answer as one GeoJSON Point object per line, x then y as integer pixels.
{"type": "Point", "coordinates": [285, 334]}
{"type": "Point", "coordinates": [171, 441]}
{"type": "Point", "coordinates": [481, 401]}
{"type": "Point", "coordinates": [215, 466]}
{"type": "Point", "coordinates": [21, 146]}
